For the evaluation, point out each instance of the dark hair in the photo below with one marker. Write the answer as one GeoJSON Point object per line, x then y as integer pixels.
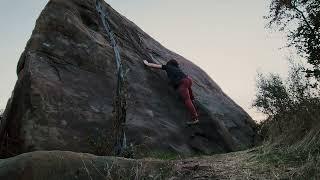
{"type": "Point", "coordinates": [173, 62]}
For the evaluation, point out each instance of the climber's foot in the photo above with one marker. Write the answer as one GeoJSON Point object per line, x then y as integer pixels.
{"type": "Point", "coordinates": [195, 121]}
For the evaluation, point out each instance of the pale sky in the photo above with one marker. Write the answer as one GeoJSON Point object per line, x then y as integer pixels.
{"type": "Point", "coordinates": [226, 38]}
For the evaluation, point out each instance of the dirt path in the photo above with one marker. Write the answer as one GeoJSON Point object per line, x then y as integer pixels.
{"type": "Point", "coordinates": [237, 165]}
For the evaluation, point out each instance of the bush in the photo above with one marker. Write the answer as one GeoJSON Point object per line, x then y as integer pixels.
{"type": "Point", "coordinates": [292, 105]}
{"type": "Point", "coordinates": [276, 96]}
{"type": "Point", "coordinates": [272, 96]}
{"type": "Point", "coordinates": [292, 129]}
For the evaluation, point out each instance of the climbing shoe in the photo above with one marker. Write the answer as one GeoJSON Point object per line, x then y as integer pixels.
{"type": "Point", "coordinates": [196, 121]}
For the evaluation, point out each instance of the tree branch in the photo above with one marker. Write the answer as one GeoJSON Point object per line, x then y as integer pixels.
{"type": "Point", "coordinates": [304, 19]}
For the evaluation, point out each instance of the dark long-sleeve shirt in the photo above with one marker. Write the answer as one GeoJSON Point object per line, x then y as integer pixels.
{"type": "Point", "coordinates": [174, 73]}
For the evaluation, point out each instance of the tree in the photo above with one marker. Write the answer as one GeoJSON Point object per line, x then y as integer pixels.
{"type": "Point", "coordinates": [272, 96]}
{"type": "Point", "coordinates": [300, 19]}
{"type": "Point", "coordinates": [276, 96]}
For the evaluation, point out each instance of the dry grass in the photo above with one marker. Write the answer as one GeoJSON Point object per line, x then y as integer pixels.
{"type": "Point", "coordinates": [293, 141]}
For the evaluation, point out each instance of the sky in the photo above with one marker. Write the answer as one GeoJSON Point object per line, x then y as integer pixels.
{"type": "Point", "coordinates": [226, 38]}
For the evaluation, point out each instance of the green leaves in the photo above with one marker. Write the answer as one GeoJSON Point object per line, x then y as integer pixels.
{"type": "Point", "coordinates": [275, 95]}
{"type": "Point", "coordinates": [300, 19]}
{"type": "Point", "coordinates": [272, 96]}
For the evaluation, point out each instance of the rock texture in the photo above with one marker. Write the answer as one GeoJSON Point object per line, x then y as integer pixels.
{"type": "Point", "coordinates": [66, 86]}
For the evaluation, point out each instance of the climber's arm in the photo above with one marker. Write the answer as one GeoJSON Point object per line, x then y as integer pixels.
{"type": "Point", "coordinates": [157, 66]}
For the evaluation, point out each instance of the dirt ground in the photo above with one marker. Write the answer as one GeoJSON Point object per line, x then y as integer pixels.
{"type": "Point", "coordinates": [237, 165]}
{"type": "Point", "coordinates": [63, 165]}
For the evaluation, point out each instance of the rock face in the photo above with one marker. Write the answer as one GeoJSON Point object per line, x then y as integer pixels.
{"type": "Point", "coordinates": [66, 86]}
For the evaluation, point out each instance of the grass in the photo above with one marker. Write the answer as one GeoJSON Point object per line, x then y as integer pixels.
{"type": "Point", "coordinates": [303, 156]}
{"type": "Point", "coordinates": [277, 158]}
{"type": "Point", "coordinates": [163, 155]}
{"type": "Point", "coordinates": [301, 166]}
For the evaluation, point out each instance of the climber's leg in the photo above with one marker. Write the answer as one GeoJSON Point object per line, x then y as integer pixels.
{"type": "Point", "coordinates": [190, 89]}
{"type": "Point", "coordinates": [184, 93]}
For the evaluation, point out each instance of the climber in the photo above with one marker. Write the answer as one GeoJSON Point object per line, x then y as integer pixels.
{"type": "Point", "coordinates": [180, 82]}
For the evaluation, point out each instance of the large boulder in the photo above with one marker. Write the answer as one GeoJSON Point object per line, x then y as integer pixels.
{"type": "Point", "coordinates": [65, 92]}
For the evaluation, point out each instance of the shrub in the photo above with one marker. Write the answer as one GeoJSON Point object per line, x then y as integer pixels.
{"type": "Point", "coordinates": [292, 105]}
{"type": "Point", "coordinates": [292, 129]}
{"type": "Point", "coordinates": [272, 96]}
{"type": "Point", "coordinates": [276, 96]}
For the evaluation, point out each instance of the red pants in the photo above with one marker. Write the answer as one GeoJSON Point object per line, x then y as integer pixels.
{"type": "Point", "coordinates": [185, 92]}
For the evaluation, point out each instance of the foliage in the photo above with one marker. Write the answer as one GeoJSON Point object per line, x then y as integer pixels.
{"type": "Point", "coordinates": [276, 96]}
{"type": "Point", "coordinates": [292, 130]}
{"type": "Point", "coordinates": [272, 96]}
{"type": "Point", "coordinates": [300, 20]}
{"type": "Point", "coordinates": [301, 158]}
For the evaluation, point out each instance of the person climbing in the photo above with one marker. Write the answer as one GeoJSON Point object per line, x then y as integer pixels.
{"type": "Point", "coordinates": [180, 82]}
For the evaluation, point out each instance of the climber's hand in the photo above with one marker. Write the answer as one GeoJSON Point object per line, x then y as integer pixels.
{"type": "Point", "coordinates": [152, 65]}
